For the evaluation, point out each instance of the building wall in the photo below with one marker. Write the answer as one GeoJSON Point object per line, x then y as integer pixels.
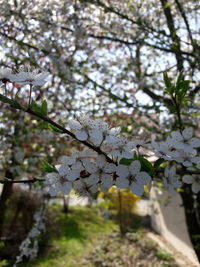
{"type": "Point", "coordinates": [168, 219]}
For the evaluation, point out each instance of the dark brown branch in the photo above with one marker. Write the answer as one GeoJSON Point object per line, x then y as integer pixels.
{"type": "Point", "coordinates": [65, 131]}
{"type": "Point", "coordinates": [174, 37]}
{"type": "Point", "coordinates": [8, 181]}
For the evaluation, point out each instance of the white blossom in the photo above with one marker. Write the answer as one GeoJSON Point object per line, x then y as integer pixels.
{"type": "Point", "coordinates": [170, 180]}
{"type": "Point", "coordinates": [5, 74]}
{"type": "Point", "coordinates": [100, 172]}
{"type": "Point", "coordinates": [30, 77]}
{"type": "Point", "coordinates": [193, 179]}
{"type": "Point", "coordinates": [131, 176]}
{"type": "Point", "coordinates": [184, 141]}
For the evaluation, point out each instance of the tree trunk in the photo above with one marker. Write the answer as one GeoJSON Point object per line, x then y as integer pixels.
{"type": "Point", "coordinates": [5, 196]}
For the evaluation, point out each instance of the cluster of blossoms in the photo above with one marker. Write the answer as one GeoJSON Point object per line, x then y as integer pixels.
{"type": "Point", "coordinates": [88, 171]}
{"type": "Point", "coordinates": [29, 247]}
{"type": "Point", "coordinates": [183, 149]}
{"type": "Point", "coordinates": [24, 76]}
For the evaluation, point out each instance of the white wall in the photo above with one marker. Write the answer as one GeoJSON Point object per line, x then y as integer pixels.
{"type": "Point", "coordinates": [168, 219]}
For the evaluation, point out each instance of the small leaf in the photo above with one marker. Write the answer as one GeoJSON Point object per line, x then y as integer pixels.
{"type": "Point", "coordinates": [158, 162]}
{"type": "Point", "coordinates": [125, 161]}
{"type": "Point", "coordinates": [44, 107]}
{"type": "Point", "coordinates": [145, 164]}
{"type": "Point", "coordinates": [11, 102]}
{"type": "Point", "coordinates": [54, 128]}
{"type": "Point", "coordinates": [48, 167]}
{"type": "Point", "coordinates": [39, 109]}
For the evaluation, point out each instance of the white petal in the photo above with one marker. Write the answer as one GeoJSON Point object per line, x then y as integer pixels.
{"type": "Point", "coordinates": [137, 189]}
{"type": "Point", "coordinates": [127, 155]}
{"type": "Point", "coordinates": [122, 182]}
{"type": "Point", "coordinates": [66, 188]}
{"type": "Point", "coordinates": [112, 139]}
{"type": "Point", "coordinates": [114, 131]}
{"type": "Point", "coordinates": [81, 135]}
{"type": "Point", "coordinates": [187, 163]}
{"type": "Point", "coordinates": [77, 165]}
{"type": "Point", "coordinates": [194, 142]}
{"type": "Point", "coordinates": [188, 179]}
{"type": "Point", "coordinates": [135, 167]}
{"type": "Point", "coordinates": [53, 191]}
{"type": "Point", "coordinates": [63, 170]}
{"type": "Point", "coordinates": [92, 179]}
{"type": "Point", "coordinates": [172, 171]}
{"type": "Point", "coordinates": [73, 174]}
{"type": "Point", "coordinates": [187, 133]}
{"type": "Point", "coordinates": [67, 160]}
{"type": "Point", "coordinates": [115, 153]}
{"type": "Point", "coordinates": [143, 178]}
{"type": "Point", "coordinates": [106, 180]}
{"type": "Point", "coordinates": [195, 187]}
{"type": "Point", "coordinates": [101, 161]}
{"type": "Point", "coordinates": [74, 125]}
{"type": "Point", "coordinates": [90, 166]}
{"type": "Point", "coordinates": [166, 172]}
{"type": "Point", "coordinates": [176, 136]}
{"type": "Point", "coordinates": [188, 148]}
{"type": "Point", "coordinates": [122, 171]}
{"type": "Point", "coordinates": [53, 176]}
{"type": "Point", "coordinates": [110, 168]}
{"type": "Point", "coordinates": [96, 136]}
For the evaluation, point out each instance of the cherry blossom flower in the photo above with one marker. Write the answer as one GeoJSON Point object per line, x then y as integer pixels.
{"type": "Point", "coordinates": [30, 77]}
{"type": "Point", "coordinates": [185, 141]}
{"type": "Point", "coordinates": [79, 130]}
{"type": "Point", "coordinates": [120, 147]}
{"type": "Point", "coordinates": [5, 75]}
{"type": "Point", "coordinates": [56, 183]}
{"type": "Point", "coordinates": [194, 180]}
{"type": "Point", "coordinates": [170, 180]}
{"type": "Point", "coordinates": [100, 172]}
{"type": "Point", "coordinates": [186, 158]}
{"type": "Point", "coordinates": [131, 176]}
{"type": "Point", "coordinates": [163, 150]}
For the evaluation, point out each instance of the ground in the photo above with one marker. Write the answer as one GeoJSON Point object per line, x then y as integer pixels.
{"type": "Point", "coordinates": [84, 238]}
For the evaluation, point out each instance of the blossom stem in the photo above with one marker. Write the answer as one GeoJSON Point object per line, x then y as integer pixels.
{"type": "Point", "coordinates": [5, 89]}
{"type": "Point", "coordinates": [29, 102]}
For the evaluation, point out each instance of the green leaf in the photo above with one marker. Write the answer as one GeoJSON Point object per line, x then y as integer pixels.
{"type": "Point", "coordinates": [158, 162]}
{"type": "Point", "coordinates": [167, 80]}
{"type": "Point", "coordinates": [40, 109]}
{"type": "Point", "coordinates": [11, 102]}
{"type": "Point", "coordinates": [54, 128]}
{"type": "Point", "coordinates": [44, 107]}
{"type": "Point", "coordinates": [48, 167]}
{"type": "Point", "coordinates": [125, 161]}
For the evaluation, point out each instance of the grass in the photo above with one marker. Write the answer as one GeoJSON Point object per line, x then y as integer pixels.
{"type": "Point", "coordinates": [71, 236]}
{"type": "Point", "coordinates": [163, 255]}
{"type": "Point", "coordinates": [83, 238]}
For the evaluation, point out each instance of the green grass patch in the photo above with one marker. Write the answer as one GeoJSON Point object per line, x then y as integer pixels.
{"type": "Point", "coordinates": [70, 237]}
{"type": "Point", "coordinates": [163, 255]}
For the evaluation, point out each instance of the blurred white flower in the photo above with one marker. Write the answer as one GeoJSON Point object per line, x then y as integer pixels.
{"type": "Point", "coordinates": [5, 75]}
{"type": "Point", "coordinates": [170, 180]}
{"type": "Point", "coordinates": [31, 77]}
{"type": "Point", "coordinates": [193, 179]}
